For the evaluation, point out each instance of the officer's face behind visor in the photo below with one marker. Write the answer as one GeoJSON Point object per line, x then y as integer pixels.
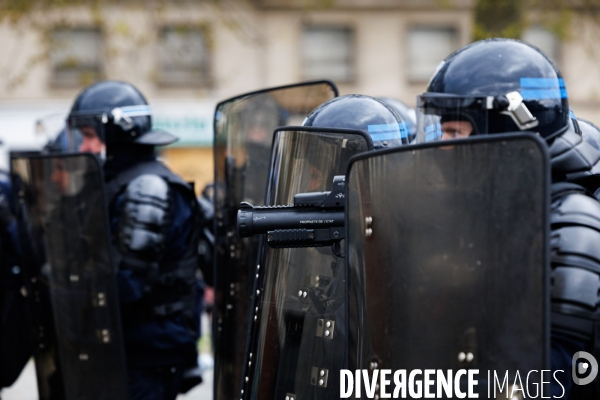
{"type": "Point", "coordinates": [86, 130]}
{"type": "Point", "coordinates": [443, 117]}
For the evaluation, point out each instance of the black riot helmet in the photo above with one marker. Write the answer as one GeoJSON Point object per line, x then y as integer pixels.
{"type": "Point", "coordinates": [368, 114]}
{"type": "Point", "coordinates": [117, 113]}
{"type": "Point", "coordinates": [494, 86]}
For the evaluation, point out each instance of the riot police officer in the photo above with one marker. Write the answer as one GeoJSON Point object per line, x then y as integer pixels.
{"type": "Point", "coordinates": [500, 86]}
{"type": "Point", "coordinates": [154, 222]}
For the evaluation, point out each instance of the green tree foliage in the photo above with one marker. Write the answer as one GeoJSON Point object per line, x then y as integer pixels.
{"type": "Point", "coordinates": [509, 18]}
{"type": "Point", "coordinates": [498, 18]}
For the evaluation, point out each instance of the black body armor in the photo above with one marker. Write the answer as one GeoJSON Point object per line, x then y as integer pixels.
{"type": "Point", "coordinates": [170, 285]}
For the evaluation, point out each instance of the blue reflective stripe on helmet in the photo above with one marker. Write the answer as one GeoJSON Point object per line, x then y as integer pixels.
{"type": "Point", "coordinates": [381, 128]}
{"type": "Point", "coordinates": [543, 88]}
{"type": "Point", "coordinates": [138, 110]}
{"type": "Point", "coordinates": [401, 130]}
{"type": "Point", "coordinates": [384, 136]}
{"type": "Point", "coordinates": [384, 131]}
{"type": "Point", "coordinates": [433, 132]}
{"type": "Point", "coordinates": [544, 94]}
{"type": "Point", "coordinates": [542, 83]}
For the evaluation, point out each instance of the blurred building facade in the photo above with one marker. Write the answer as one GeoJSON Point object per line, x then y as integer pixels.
{"type": "Point", "coordinates": [185, 56]}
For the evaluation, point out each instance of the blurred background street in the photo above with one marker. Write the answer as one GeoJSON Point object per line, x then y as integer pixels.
{"type": "Point", "coordinates": [187, 55]}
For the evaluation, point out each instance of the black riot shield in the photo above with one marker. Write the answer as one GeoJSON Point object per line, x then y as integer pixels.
{"type": "Point", "coordinates": [447, 260]}
{"type": "Point", "coordinates": [63, 228]}
{"type": "Point", "coordinates": [298, 344]}
{"type": "Point", "coordinates": [243, 129]}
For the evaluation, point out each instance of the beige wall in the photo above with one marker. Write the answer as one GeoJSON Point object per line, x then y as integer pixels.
{"type": "Point", "coordinates": [257, 44]}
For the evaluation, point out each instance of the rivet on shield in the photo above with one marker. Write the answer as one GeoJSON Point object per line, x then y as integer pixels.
{"type": "Point", "coordinates": [300, 293]}
{"type": "Point", "coordinates": [83, 357]}
{"type": "Point", "coordinates": [368, 232]}
{"type": "Point", "coordinates": [74, 278]}
{"type": "Point", "coordinates": [462, 356]}
{"type": "Point", "coordinates": [470, 357]}
{"type": "Point", "coordinates": [105, 334]}
{"type": "Point", "coordinates": [257, 292]}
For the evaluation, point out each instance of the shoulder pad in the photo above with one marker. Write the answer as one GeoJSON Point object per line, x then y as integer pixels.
{"type": "Point", "coordinates": [576, 285]}
{"type": "Point", "coordinates": [144, 217]}
{"type": "Point", "coordinates": [570, 154]}
{"type": "Point", "coordinates": [560, 189]}
{"type": "Point", "coordinates": [575, 253]}
{"type": "Point", "coordinates": [576, 246]}
{"type": "Point", "coordinates": [147, 188]}
{"type": "Point", "coordinates": [575, 209]}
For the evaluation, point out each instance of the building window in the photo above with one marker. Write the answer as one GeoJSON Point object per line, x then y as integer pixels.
{"type": "Point", "coordinates": [183, 57]}
{"type": "Point", "coordinates": [328, 52]}
{"type": "Point", "coordinates": [544, 40]}
{"type": "Point", "coordinates": [427, 47]}
{"type": "Point", "coordinates": [75, 56]}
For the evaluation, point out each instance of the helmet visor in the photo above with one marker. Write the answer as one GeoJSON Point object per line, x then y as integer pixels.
{"type": "Point", "coordinates": [446, 117]}
{"type": "Point", "coordinates": [85, 133]}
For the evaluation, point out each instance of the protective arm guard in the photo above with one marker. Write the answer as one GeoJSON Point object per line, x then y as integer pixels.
{"type": "Point", "coordinates": [575, 160]}
{"type": "Point", "coordinates": [575, 258]}
{"type": "Point", "coordinates": [144, 218]}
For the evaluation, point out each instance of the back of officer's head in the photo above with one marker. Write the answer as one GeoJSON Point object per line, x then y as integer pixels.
{"type": "Point", "coordinates": [365, 113]}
